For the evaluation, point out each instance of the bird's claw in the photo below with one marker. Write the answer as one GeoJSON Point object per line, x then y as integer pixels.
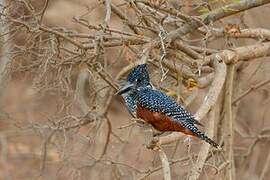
{"type": "Point", "coordinates": [156, 134]}
{"type": "Point", "coordinates": [187, 141]}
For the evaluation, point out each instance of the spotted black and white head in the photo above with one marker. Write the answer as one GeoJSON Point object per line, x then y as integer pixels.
{"type": "Point", "coordinates": [138, 77]}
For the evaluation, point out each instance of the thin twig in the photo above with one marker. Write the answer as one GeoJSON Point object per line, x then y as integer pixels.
{"type": "Point", "coordinates": [266, 167]}
{"type": "Point", "coordinates": [45, 150]}
{"type": "Point", "coordinates": [119, 13]}
{"type": "Point", "coordinates": [247, 92]}
{"type": "Point", "coordinates": [43, 11]}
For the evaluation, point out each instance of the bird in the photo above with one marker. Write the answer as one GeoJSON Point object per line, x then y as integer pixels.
{"type": "Point", "coordinates": [140, 76]}
{"type": "Point", "coordinates": [156, 108]}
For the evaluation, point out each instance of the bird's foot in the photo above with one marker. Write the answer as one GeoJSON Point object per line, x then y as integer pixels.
{"type": "Point", "coordinates": [138, 121]}
{"type": "Point", "coordinates": [156, 134]}
{"type": "Point", "coordinates": [187, 139]}
{"type": "Point", "coordinates": [187, 142]}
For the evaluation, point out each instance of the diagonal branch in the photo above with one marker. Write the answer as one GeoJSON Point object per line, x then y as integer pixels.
{"type": "Point", "coordinates": [121, 15]}
{"type": "Point", "coordinates": [202, 156]}
{"type": "Point", "coordinates": [215, 15]}
{"type": "Point", "coordinates": [215, 89]}
{"type": "Point", "coordinates": [247, 92]}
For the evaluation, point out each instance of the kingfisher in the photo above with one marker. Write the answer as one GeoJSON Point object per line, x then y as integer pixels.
{"type": "Point", "coordinates": [156, 108]}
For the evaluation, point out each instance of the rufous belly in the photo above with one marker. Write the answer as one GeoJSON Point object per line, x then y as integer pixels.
{"type": "Point", "coordinates": [160, 121]}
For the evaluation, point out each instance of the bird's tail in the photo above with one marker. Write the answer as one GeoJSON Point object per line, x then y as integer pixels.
{"type": "Point", "coordinates": [201, 135]}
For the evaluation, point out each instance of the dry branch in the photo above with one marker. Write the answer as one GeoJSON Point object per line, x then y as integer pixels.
{"type": "Point", "coordinates": [43, 11]}
{"type": "Point", "coordinates": [55, 52]}
{"type": "Point", "coordinates": [122, 16]}
{"type": "Point", "coordinates": [245, 53]}
{"type": "Point", "coordinates": [245, 93]}
{"type": "Point", "coordinates": [202, 156]}
{"type": "Point", "coordinates": [215, 15]}
{"type": "Point", "coordinates": [256, 33]}
{"type": "Point", "coordinates": [108, 11]}
{"type": "Point", "coordinates": [266, 167]}
{"type": "Point", "coordinates": [165, 164]}
{"type": "Point", "coordinates": [229, 122]}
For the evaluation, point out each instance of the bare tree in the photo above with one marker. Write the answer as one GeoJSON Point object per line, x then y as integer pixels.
{"type": "Point", "coordinates": [195, 54]}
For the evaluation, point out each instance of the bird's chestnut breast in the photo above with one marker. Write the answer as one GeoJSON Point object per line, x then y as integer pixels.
{"type": "Point", "coordinates": [160, 121]}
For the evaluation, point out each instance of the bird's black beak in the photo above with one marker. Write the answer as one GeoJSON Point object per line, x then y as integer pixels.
{"type": "Point", "coordinates": [127, 87]}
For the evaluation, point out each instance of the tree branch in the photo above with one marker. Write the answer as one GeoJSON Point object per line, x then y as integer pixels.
{"type": "Point", "coordinates": [165, 164]}
{"type": "Point", "coordinates": [229, 122]}
{"type": "Point", "coordinates": [247, 92]}
{"type": "Point", "coordinates": [202, 156]}
{"type": "Point", "coordinates": [215, 15]}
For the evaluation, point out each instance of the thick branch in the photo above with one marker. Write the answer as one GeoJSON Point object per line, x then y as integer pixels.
{"type": "Point", "coordinates": [214, 90]}
{"type": "Point", "coordinates": [165, 165]}
{"type": "Point", "coordinates": [202, 156]}
{"type": "Point", "coordinates": [256, 33]}
{"type": "Point", "coordinates": [228, 129]}
{"type": "Point", "coordinates": [245, 53]}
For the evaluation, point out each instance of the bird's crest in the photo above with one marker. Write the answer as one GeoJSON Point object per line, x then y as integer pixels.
{"type": "Point", "coordinates": [139, 75]}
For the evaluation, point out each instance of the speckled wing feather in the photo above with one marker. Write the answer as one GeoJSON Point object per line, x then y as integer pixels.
{"type": "Point", "coordinates": [157, 101]}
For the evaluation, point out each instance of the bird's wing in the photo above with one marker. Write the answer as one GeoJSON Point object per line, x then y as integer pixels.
{"type": "Point", "coordinates": [159, 102]}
